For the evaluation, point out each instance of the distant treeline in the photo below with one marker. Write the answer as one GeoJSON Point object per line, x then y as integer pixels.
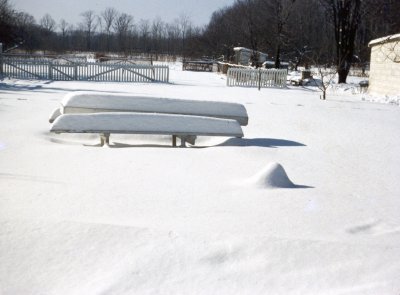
{"type": "Point", "coordinates": [290, 30]}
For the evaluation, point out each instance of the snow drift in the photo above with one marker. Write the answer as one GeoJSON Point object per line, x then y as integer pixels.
{"type": "Point", "coordinates": [272, 176]}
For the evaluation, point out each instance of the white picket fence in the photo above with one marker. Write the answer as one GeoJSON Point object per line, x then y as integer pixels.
{"type": "Point", "coordinates": [25, 68]}
{"type": "Point", "coordinates": [256, 78]}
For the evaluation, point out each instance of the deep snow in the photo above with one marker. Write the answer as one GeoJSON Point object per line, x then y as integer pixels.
{"type": "Point", "coordinates": [144, 218]}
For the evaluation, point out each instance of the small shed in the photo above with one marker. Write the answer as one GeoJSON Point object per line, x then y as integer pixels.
{"type": "Point", "coordinates": [384, 75]}
{"type": "Point", "coordinates": [243, 56]}
{"type": "Point", "coordinates": [269, 64]}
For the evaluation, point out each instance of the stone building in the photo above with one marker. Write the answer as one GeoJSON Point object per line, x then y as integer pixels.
{"type": "Point", "coordinates": [384, 76]}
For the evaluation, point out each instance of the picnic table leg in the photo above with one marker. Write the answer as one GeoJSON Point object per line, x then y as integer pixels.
{"type": "Point", "coordinates": [183, 141]}
{"type": "Point", "coordinates": [174, 140]}
{"type": "Point", "coordinates": [104, 139]}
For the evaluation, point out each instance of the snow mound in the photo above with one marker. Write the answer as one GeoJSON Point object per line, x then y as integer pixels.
{"type": "Point", "coordinates": [272, 176]}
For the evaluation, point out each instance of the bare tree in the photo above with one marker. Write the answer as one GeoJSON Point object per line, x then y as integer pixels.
{"type": "Point", "coordinates": [184, 25]}
{"type": "Point", "coordinates": [89, 25]}
{"type": "Point", "coordinates": [48, 24]}
{"type": "Point", "coordinates": [122, 26]}
{"type": "Point", "coordinates": [6, 22]}
{"type": "Point", "coordinates": [248, 10]}
{"type": "Point", "coordinates": [172, 31]}
{"type": "Point", "coordinates": [108, 17]}
{"type": "Point", "coordinates": [144, 31]}
{"type": "Point", "coordinates": [327, 75]}
{"type": "Point", "coordinates": [157, 30]}
{"type": "Point", "coordinates": [345, 17]}
{"type": "Point", "coordinates": [279, 11]}
{"type": "Point", "coordinates": [325, 69]}
{"type": "Point", "coordinates": [306, 32]}
{"type": "Point", "coordinates": [26, 30]}
{"type": "Point", "coordinates": [65, 29]}
{"type": "Point", "coordinates": [224, 32]}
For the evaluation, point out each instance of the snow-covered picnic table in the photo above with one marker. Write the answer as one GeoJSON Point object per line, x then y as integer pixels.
{"type": "Point", "coordinates": [95, 102]}
{"type": "Point", "coordinates": [182, 126]}
{"type": "Point", "coordinates": [185, 119]}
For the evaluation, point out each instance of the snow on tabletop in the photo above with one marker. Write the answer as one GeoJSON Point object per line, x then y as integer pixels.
{"type": "Point", "coordinates": [154, 104]}
{"type": "Point", "coordinates": [140, 218]}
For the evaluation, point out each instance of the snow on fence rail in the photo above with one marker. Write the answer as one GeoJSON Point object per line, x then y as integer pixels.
{"type": "Point", "coordinates": [80, 71]}
{"type": "Point", "coordinates": [256, 78]}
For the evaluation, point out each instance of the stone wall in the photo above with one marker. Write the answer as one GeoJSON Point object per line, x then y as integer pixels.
{"type": "Point", "coordinates": [384, 77]}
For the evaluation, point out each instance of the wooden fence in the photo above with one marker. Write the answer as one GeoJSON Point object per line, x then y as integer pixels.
{"type": "Point", "coordinates": [256, 78]}
{"type": "Point", "coordinates": [66, 70]}
{"type": "Point", "coordinates": [200, 66]}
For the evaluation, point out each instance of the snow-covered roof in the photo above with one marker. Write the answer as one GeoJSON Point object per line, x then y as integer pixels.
{"type": "Point", "coordinates": [241, 48]}
{"type": "Point", "coordinates": [247, 50]}
{"type": "Point", "coordinates": [384, 40]}
{"type": "Point", "coordinates": [268, 62]}
{"type": "Point", "coordinates": [271, 62]}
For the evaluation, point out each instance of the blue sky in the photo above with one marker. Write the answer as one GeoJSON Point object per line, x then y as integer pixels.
{"type": "Point", "coordinates": [199, 11]}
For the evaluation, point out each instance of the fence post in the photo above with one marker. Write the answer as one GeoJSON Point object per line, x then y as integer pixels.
{"type": "Point", "coordinates": [1, 60]}
{"type": "Point", "coordinates": [76, 72]}
{"type": "Point", "coordinates": [259, 79]}
{"type": "Point", "coordinates": [50, 74]}
{"type": "Point", "coordinates": [167, 74]}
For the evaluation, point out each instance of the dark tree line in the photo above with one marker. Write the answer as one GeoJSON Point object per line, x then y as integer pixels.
{"type": "Point", "coordinates": [108, 31]}
{"type": "Point", "coordinates": [329, 32]}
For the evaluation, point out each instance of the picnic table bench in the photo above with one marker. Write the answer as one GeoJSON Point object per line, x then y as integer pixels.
{"type": "Point", "coordinates": [185, 127]}
{"type": "Point", "coordinates": [184, 119]}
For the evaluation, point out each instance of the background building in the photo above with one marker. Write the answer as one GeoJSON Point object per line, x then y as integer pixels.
{"type": "Point", "coordinates": [384, 76]}
{"type": "Point", "coordinates": [243, 56]}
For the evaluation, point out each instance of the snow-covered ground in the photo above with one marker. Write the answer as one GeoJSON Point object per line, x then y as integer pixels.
{"type": "Point", "coordinates": [307, 202]}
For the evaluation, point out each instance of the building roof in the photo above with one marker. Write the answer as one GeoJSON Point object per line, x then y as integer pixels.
{"type": "Point", "coordinates": [247, 50]}
{"type": "Point", "coordinates": [386, 39]}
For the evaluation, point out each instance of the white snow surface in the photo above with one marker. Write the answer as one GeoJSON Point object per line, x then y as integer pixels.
{"type": "Point", "coordinates": [144, 218]}
{"type": "Point", "coordinates": [392, 99]}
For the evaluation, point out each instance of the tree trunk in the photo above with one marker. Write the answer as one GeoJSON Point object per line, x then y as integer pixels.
{"type": "Point", "coordinates": [343, 73]}
{"type": "Point", "coordinates": [346, 18]}
{"type": "Point", "coordinates": [278, 57]}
